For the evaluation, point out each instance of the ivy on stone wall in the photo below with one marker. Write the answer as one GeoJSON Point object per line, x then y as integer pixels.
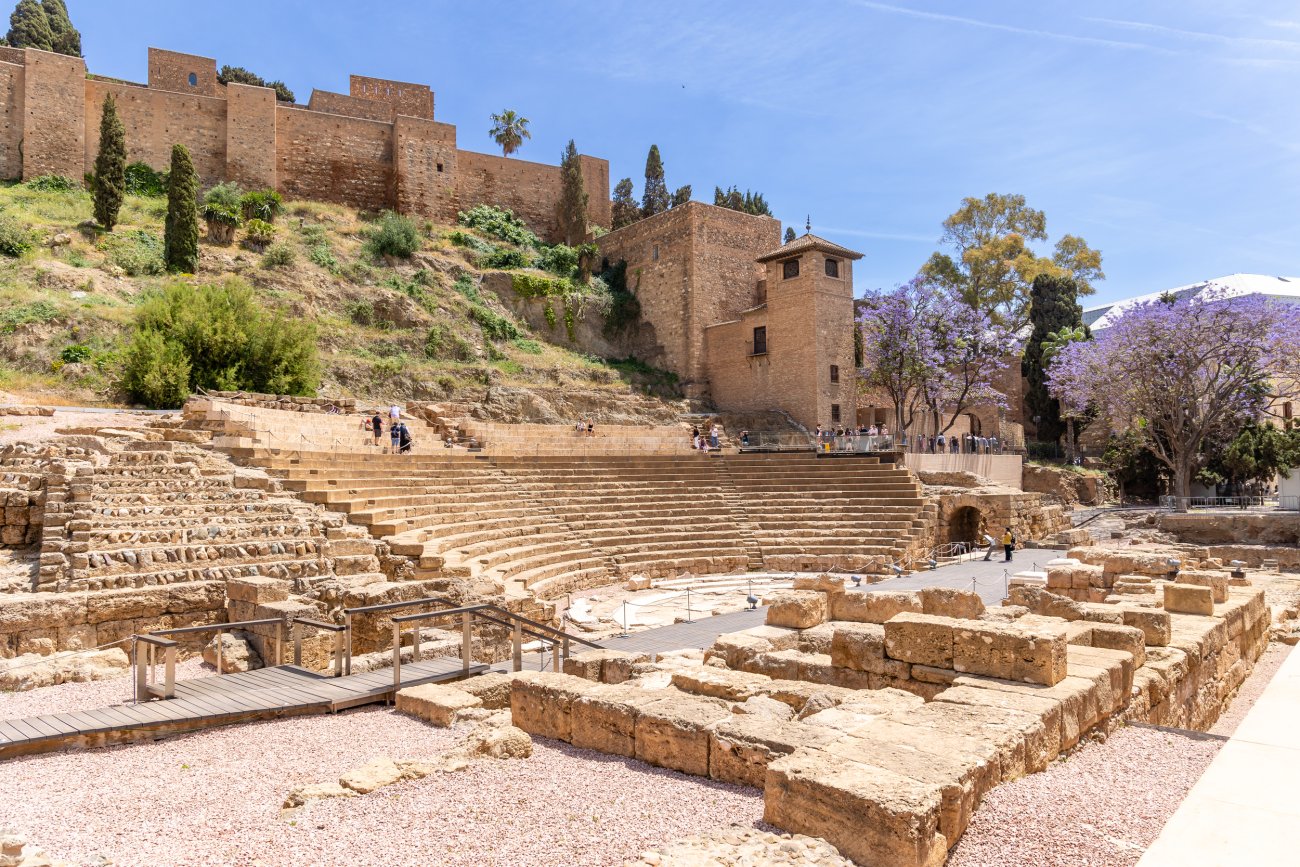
{"type": "Point", "coordinates": [624, 307]}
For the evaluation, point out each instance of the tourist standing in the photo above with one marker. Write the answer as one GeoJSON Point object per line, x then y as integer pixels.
{"type": "Point", "coordinates": [394, 414]}
{"type": "Point", "coordinates": [377, 429]}
{"type": "Point", "coordinates": [403, 438]}
{"type": "Point", "coordinates": [395, 434]}
{"type": "Point", "coordinates": [713, 437]}
{"type": "Point", "coordinates": [992, 545]}
{"type": "Point", "coordinates": [1008, 543]}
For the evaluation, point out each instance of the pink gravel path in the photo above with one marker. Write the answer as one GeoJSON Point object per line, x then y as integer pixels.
{"type": "Point", "coordinates": [214, 798]}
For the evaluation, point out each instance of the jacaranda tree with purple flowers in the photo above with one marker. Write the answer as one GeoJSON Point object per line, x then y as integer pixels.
{"type": "Point", "coordinates": [928, 352]}
{"type": "Point", "coordinates": [1180, 372]}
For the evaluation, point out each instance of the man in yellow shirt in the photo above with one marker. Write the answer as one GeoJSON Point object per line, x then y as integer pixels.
{"type": "Point", "coordinates": [1008, 543]}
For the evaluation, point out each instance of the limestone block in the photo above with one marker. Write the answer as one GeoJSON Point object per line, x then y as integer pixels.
{"type": "Point", "coordinates": [823, 583]}
{"type": "Point", "coordinates": [924, 639]}
{"type": "Point", "coordinates": [491, 689]}
{"type": "Point", "coordinates": [1189, 599]}
{"type": "Point", "coordinates": [1019, 737]}
{"type": "Point", "coordinates": [617, 667]}
{"type": "Point", "coordinates": [873, 606]}
{"type": "Point", "coordinates": [797, 693]}
{"type": "Point", "coordinates": [373, 775]}
{"type": "Point", "coordinates": [797, 609]}
{"type": "Point", "coordinates": [605, 719]}
{"type": "Point", "coordinates": [859, 646]}
{"type": "Point", "coordinates": [257, 589]}
{"type": "Point", "coordinates": [541, 702]}
{"type": "Point", "coordinates": [1116, 665]}
{"type": "Point", "coordinates": [590, 664]}
{"type": "Point", "coordinates": [779, 664]}
{"type": "Point", "coordinates": [674, 733]}
{"type": "Point", "coordinates": [817, 639]}
{"type": "Point", "coordinates": [1024, 651]}
{"type": "Point", "coordinates": [721, 682]}
{"type": "Point", "coordinates": [1216, 581]}
{"type": "Point", "coordinates": [741, 747]}
{"type": "Point", "coordinates": [1129, 639]}
{"type": "Point", "coordinates": [499, 742]}
{"type": "Point", "coordinates": [435, 703]}
{"type": "Point", "coordinates": [237, 653]}
{"type": "Point", "coordinates": [737, 648]}
{"type": "Point", "coordinates": [1154, 623]}
{"type": "Point", "coordinates": [762, 705]}
{"type": "Point", "coordinates": [1043, 602]}
{"type": "Point", "coordinates": [873, 816]}
{"type": "Point", "coordinates": [1048, 710]}
{"type": "Point", "coordinates": [951, 602]}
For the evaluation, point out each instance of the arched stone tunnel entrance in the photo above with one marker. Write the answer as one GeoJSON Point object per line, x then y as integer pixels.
{"type": "Point", "coordinates": [964, 525]}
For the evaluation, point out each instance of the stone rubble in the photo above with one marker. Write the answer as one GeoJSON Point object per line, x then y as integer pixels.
{"type": "Point", "coordinates": [743, 847]}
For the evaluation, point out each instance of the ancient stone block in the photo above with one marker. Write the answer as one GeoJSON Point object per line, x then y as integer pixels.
{"type": "Point", "coordinates": [1153, 622]}
{"type": "Point", "coordinates": [741, 747]}
{"type": "Point", "coordinates": [923, 639]}
{"type": "Point", "coordinates": [797, 609]}
{"type": "Point", "coordinates": [1022, 651]}
{"type": "Point", "coordinates": [873, 816]}
{"type": "Point", "coordinates": [541, 702]}
{"type": "Point", "coordinates": [617, 667]}
{"type": "Point", "coordinates": [588, 665]}
{"type": "Point", "coordinates": [674, 733]}
{"type": "Point", "coordinates": [605, 719]}
{"type": "Point", "coordinates": [1216, 581]}
{"type": "Point", "coordinates": [860, 646]}
{"type": "Point", "coordinates": [951, 602]}
{"type": "Point", "coordinates": [1189, 599]}
{"type": "Point", "coordinates": [720, 683]}
{"type": "Point", "coordinates": [873, 606]}
{"type": "Point", "coordinates": [817, 639]}
{"type": "Point", "coordinates": [437, 704]}
{"type": "Point", "coordinates": [1129, 639]}
{"type": "Point", "coordinates": [823, 583]}
{"type": "Point", "coordinates": [737, 648]}
{"type": "Point", "coordinates": [492, 689]}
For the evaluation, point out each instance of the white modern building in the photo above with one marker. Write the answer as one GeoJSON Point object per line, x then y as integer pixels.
{"type": "Point", "coordinates": [1285, 289]}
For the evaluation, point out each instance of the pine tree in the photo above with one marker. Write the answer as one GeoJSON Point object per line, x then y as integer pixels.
{"type": "Point", "coordinates": [1053, 306]}
{"type": "Point", "coordinates": [181, 240]}
{"type": "Point", "coordinates": [572, 209]}
{"type": "Point", "coordinates": [681, 196]}
{"type": "Point", "coordinates": [654, 200]}
{"type": "Point", "coordinates": [623, 205]}
{"type": "Point", "coordinates": [789, 234]}
{"type": "Point", "coordinates": [110, 166]}
{"type": "Point", "coordinates": [29, 27]}
{"type": "Point", "coordinates": [67, 39]}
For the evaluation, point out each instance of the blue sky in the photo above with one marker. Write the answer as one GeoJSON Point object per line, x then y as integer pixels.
{"type": "Point", "coordinates": [1166, 133]}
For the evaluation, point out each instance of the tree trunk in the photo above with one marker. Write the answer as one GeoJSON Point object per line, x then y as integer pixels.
{"type": "Point", "coordinates": [1069, 439]}
{"type": "Point", "coordinates": [1182, 483]}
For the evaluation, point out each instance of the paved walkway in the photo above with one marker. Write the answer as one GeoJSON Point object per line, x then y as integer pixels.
{"type": "Point", "coordinates": [1243, 810]}
{"type": "Point", "coordinates": [986, 578]}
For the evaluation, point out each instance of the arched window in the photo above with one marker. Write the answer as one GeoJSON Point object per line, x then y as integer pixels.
{"type": "Point", "coordinates": [194, 80]}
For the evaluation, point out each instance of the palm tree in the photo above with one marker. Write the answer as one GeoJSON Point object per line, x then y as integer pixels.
{"type": "Point", "coordinates": [509, 130]}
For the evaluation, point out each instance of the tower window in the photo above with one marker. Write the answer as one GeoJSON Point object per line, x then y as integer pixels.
{"type": "Point", "coordinates": [789, 269]}
{"type": "Point", "coordinates": [835, 373]}
{"type": "Point", "coordinates": [832, 267]}
{"type": "Point", "coordinates": [835, 413]}
{"type": "Point", "coordinates": [439, 166]}
{"type": "Point", "coordinates": [760, 340]}
{"type": "Point", "coordinates": [654, 254]}
{"type": "Point", "coordinates": [194, 80]}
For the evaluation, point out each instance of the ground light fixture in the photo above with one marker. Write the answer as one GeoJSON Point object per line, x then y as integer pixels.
{"type": "Point", "coordinates": [856, 579]}
{"type": "Point", "coordinates": [753, 602]}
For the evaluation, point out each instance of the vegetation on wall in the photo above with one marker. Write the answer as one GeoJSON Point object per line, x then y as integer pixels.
{"type": "Point", "coordinates": [624, 307]}
{"type": "Point", "coordinates": [499, 223]}
{"type": "Point", "coordinates": [240, 75]}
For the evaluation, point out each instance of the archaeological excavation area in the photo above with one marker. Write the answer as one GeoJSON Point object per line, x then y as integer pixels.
{"type": "Point", "coordinates": [246, 633]}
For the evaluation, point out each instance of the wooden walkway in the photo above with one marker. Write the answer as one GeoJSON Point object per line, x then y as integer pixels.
{"type": "Point", "coordinates": [207, 702]}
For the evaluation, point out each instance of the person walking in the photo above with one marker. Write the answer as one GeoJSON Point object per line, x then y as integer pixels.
{"type": "Point", "coordinates": [992, 545]}
{"type": "Point", "coordinates": [403, 438]}
{"type": "Point", "coordinates": [394, 413]}
{"type": "Point", "coordinates": [1008, 543]}
{"type": "Point", "coordinates": [395, 435]}
{"type": "Point", "coordinates": [377, 429]}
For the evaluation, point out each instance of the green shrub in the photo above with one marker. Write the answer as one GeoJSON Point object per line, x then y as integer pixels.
{"type": "Point", "coordinates": [221, 211]}
{"type": "Point", "coordinates": [537, 286]}
{"type": "Point", "coordinates": [219, 336]}
{"type": "Point", "coordinates": [442, 343]}
{"type": "Point", "coordinates": [498, 223]}
{"type": "Point", "coordinates": [395, 235]}
{"type": "Point", "coordinates": [560, 259]}
{"type": "Point", "coordinates": [465, 286]}
{"type": "Point", "coordinates": [15, 238]}
{"type": "Point", "coordinates": [181, 228]}
{"type": "Point", "coordinates": [510, 366]}
{"type": "Point", "coordinates": [527, 345]}
{"type": "Point", "coordinates": [494, 325]}
{"type": "Point", "coordinates": [465, 239]}
{"type": "Point", "coordinates": [13, 318]}
{"type": "Point", "coordinates": [321, 254]}
{"type": "Point", "coordinates": [624, 308]}
{"type": "Point", "coordinates": [136, 252]}
{"type": "Point", "coordinates": [259, 234]}
{"type": "Point", "coordinates": [142, 180]}
{"type": "Point", "coordinates": [53, 184]}
{"type": "Point", "coordinates": [361, 313]}
{"type": "Point", "coordinates": [279, 255]}
{"type": "Point", "coordinates": [261, 205]}
{"type": "Point", "coordinates": [75, 353]}
{"type": "Point", "coordinates": [505, 260]}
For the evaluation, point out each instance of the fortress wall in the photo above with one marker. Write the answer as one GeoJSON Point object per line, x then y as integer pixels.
{"type": "Point", "coordinates": [595, 180]}
{"type": "Point", "coordinates": [154, 120]}
{"type": "Point", "coordinates": [351, 106]}
{"type": "Point", "coordinates": [334, 158]}
{"type": "Point", "coordinates": [171, 70]}
{"type": "Point", "coordinates": [250, 135]}
{"type": "Point", "coordinates": [413, 100]}
{"type": "Point", "coordinates": [531, 190]}
{"type": "Point", "coordinates": [54, 111]}
{"type": "Point", "coordinates": [425, 166]}
{"type": "Point", "coordinates": [11, 117]}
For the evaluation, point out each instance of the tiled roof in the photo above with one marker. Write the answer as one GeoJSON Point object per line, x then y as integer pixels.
{"type": "Point", "coordinates": [808, 242]}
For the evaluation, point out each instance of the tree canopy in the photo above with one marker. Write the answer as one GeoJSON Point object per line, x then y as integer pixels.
{"type": "Point", "coordinates": [654, 199]}
{"type": "Point", "coordinates": [789, 234]}
{"type": "Point", "coordinates": [623, 206]}
{"type": "Point", "coordinates": [181, 229]}
{"type": "Point", "coordinates": [509, 130]}
{"type": "Point", "coordinates": [992, 264]}
{"type": "Point", "coordinates": [1053, 305]}
{"type": "Point", "coordinates": [746, 202]}
{"type": "Point", "coordinates": [681, 196]}
{"type": "Point", "coordinates": [110, 166]}
{"type": "Point", "coordinates": [67, 39]}
{"type": "Point", "coordinates": [1183, 373]}
{"type": "Point", "coordinates": [29, 27]}
{"type": "Point", "coordinates": [240, 75]}
{"type": "Point", "coordinates": [572, 208]}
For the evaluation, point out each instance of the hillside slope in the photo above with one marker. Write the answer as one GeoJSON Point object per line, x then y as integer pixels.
{"type": "Point", "coordinates": [416, 328]}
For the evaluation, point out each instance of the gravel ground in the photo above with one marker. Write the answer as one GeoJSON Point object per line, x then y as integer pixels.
{"type": "Point", "coordinates": [85, 696]}
{"type": "Point", "coordinates": [30, 429]}
{"type": "Point", "coordinates": [214, 798]}
{"type": "Point", "coordinates": [1105, 804]}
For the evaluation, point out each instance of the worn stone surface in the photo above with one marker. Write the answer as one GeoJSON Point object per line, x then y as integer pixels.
{"type": "Point", "coordinates": [924, 639]}
{"type": "Point", "coordinates": [797, 609]}
{"type": "Point", "coordinates": [859, 646]}
{"type": "Point", "coordinates": [1189, 599]}
{"type": "Point", "coordinates": [951, 602]}
{"type": "Point", "coordinates": [541, 702]}
{"type": "Point", "coordinates": [491, 689]}
{"type": "Point", "coordinates": [873, 606]}
{"type": "Point", "coordinates": [674, 733]}
{"type": "Point", "coordinates": [437, 704]}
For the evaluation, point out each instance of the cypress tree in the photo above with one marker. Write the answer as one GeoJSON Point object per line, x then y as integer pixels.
{"type": "Point", "coordinates": [654, 200]}
{"type": "Point", "coordinates": [681, 196]}
{"type": "Point", "coordinates": [789, 234]}
{"type": "Point", "coordinates": [573, 198]}
{"type": "Point", "coordinates": [29, 27]}
{"type": "Point", "coordinates": [67, 39]}
{"type": "Point", "coordinates": [1053, 306]}
{"type": "Point", "coordinates": [110, 166]}
{"type": "Point", "coordinates": [181, 240]}
{"type": "Point", "coordinates": [623, 205]}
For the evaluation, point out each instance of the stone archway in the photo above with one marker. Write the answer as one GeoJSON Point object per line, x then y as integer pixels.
{"type": "Point", "coordinates": [964, 525]}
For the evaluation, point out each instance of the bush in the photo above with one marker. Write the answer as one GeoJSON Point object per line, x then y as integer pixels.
{"type": "Point", "coordinates": [261, 205]}
{"type": "Point", "coordinates": [259, 234]}
{"type": "Point", "coordinates": [536, 286]}
{"type": "Point", "coordinates": [15, 238]}
{"type": "Point", "coordinates": [53, 184]}
{"type": "Point", "coordinates": [498, 223]}
{"type": "Point", "coordinates": [222, 212]}
{"type": "Point", "coordinates": [216, 336]}
{"type": "Point", "coordinates": [465, 286]}
{"type": "Point", "coordinates": [527, 345]}
{"type": "Point", "coordinates": [137, 252]}
{"type": "Point", "coordinates": [361, 313]}
{"type": "Point", "coordinates": [445, 344]}
{"type": "Point", "coordinates": [279, 255]}
{"type": "Point", "coordinates": [395, 235]}
{"type": "Point", "coordinates": [321, 254]}
{"type": "Point", "coordinates": [560, 259]}
{"type": "Point", "coordinates": [181, 228]}
{"type": "Point", "coordinates": [465, 239]}
{"type": "Point", "coordinates": [75, 353]}
{"type": "Point", "coordinates": [505, 260]}
{"type": "Point", "coordinates": [494, 325]}
{"type": "Point", "coordinates": [142, 180]}
{"type": "Point", "coordinates": [13, 318]}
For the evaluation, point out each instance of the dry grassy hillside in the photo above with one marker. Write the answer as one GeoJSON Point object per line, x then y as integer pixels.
{"type": "Point", "coordinates": [387, 328]}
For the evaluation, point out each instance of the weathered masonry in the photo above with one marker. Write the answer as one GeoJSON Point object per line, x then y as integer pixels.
{"type": "Point", "coordinates": [376, 147]}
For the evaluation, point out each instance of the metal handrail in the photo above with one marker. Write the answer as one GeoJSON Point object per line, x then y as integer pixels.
{"type": "Point", "coordinates": [337, 628]}
{"type": "Point", "coordinates": [222, 628]}
{"type": "Point", "coordinates": [146, 674]}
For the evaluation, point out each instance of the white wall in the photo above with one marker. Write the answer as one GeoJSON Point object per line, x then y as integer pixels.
{"type": "Point", "coordinates": [1001, 469]}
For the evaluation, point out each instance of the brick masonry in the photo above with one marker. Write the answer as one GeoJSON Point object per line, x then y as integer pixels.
{"type": "Point", "coordinates": [376, 147]}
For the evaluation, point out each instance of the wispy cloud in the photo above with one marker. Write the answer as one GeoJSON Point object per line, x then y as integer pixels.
{"type": "Point", "coordinates": [881, 236]}
{"type": "Point", "coordinates": [1249, 42]}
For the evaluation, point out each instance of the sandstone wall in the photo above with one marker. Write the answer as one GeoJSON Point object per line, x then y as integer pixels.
{"type": "Point", "coordinates": [250, 136]}
{"type": "Point", "coordinates": [171, 70]}
{"type": "Point", "coordinates": [150, 119]}
{"type": "Point", "coordinates": [54, 109]}
{"type": "Point", "coordinates": [351, 106]}
{"type": "Point", "coordinates": [1219, 528]}
{"type": "Point", "coordinates": [11, 118]}
{"type": "Point", "coordinates": [425, 157]}
{"type": "Point", "coordinates": [334, 158]}
{"type": "Point", "coordinates": [1004, 470]}
{"type": "Point", "coordinates": [402, 97]}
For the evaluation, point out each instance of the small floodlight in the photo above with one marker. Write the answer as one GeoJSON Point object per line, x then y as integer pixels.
{"type": "Point", "coordinates": [897, 569]}
{"type": "Point", "coordinates": [753, 602]}
{"type": "Point", "coordinates": [856, 579]}
{"type": "Point", "coordinates": [1237, 564]}
{"type": "Point", "coordinates": [934, 564]}
{"type": "Point", "coordinates": [1173, 563]}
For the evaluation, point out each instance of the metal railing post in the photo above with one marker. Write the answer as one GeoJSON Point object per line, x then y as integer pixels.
{"type": "Point", "coordinates": [688, 604]}
{"type": "Point", "coordinates": [397, 655]}
{"type": "Point", "coordinates": [169, 681]}
{"type": "Point", "coordinates": [415, 648]}
{"type": "Point", "coordinates": [347, 653]}
{"type": "Point", "coordinates": [279, 643]}
{"type": "Point", "coordinates": [297, 645]}
{"type": "Point", "coordinates": [338, 654]}
{"type": "Point", "coordinates": [466, 643]}
{"type": "Point", "coordinates": [219, 634]}
{"type": "Point", "coordinates": [517, 650]}
{"type": "Point", "coordinates": [141, 684]}
{"type": "Point", "coordinates": [555, 656]}
{"type": "Point", "coordinates": [565, 647]}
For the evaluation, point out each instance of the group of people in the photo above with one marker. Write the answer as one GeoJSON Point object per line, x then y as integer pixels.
{"type": "Point", "coordinates": [712, 440]}
{"type": "Point", "coordinates": [867, 438]}
{"type": "Point", "coordinates": [585, 427]}
{"type": "Point", "coordinates": [1008, 543]}
{"type": "Point", "coordinates": [956, 444]}
{"type": "Point", "coordinates": [399, 434]}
